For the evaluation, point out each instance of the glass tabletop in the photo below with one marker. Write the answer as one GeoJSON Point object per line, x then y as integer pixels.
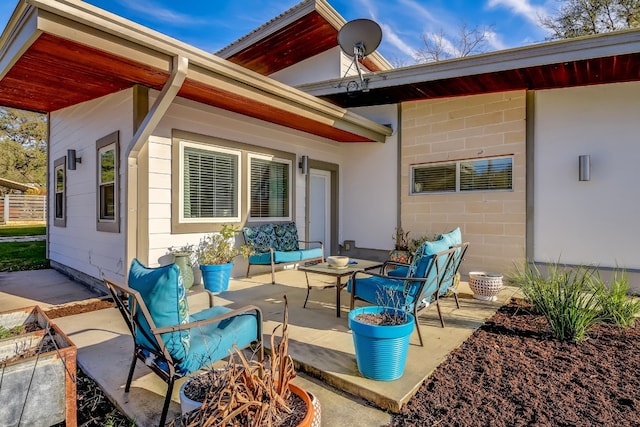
{"type": "Point", "coordinates": [354, 265]}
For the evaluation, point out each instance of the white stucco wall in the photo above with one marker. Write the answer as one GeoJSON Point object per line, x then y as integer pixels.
{"type": "Point", "coordinates": [366, 170]}
{"type": "Point", "coordinates": [324, 66]}
{"type": "Point", "coordinates": [79, 245]}
{"type": "Point", "coordinates": [331, 64]}
{"type": "Point", "coordinates": [593, 222]}
{"type": "Point", "coordinates": [213, 122]}
{"type": "Point", "coordinates": [370, 183]}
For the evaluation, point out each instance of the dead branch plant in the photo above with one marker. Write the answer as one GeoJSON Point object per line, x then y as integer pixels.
{"type": "Point", "coordinates": [248, 393]}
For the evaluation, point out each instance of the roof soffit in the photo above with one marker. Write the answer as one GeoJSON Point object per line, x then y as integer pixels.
{"type": "Point", "coordinates": [547, 65]}
{"type": "Point", "coordinates": [114, 61]}
{"type": "Point", "coordinates": [305, 30]}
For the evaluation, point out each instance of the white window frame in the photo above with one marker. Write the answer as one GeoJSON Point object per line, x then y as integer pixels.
{"type": "Point", "coordinates": [60, 164]}
{"type": "Point", "coordinates": [101, 151]}
{"type": "Point", "coordinates": [289, 165]}
{"type": "Point", "coordinates": [413, 190]}
{"type": "Point", "coordinates": [214, 149]}
{"type": "Point", "coordinates": [104, 144]}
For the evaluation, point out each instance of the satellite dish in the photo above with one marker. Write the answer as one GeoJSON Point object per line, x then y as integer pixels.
{"type": "Point", "coordinates": [359, 38]}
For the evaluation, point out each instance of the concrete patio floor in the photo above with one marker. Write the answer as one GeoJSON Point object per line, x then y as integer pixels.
{"type": "Point", "coordinates": [319, 342]}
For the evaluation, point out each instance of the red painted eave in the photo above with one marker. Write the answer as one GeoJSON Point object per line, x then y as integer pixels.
{"type": "Point", "coordinates": [306, 37]}
{"type": "Point", "coordinates": [56, 73]}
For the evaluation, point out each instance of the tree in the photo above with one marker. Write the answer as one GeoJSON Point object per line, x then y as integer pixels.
{"type": "Point", "coordinates": [23, 146]}
{"type": "Point", "coordinates": [577, 18]}
{"type": "Point", "coordinates": [470, 41]}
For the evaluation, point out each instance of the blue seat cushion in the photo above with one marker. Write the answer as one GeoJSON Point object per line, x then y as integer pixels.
{"type": "Point", "coordinates": [378, 290]}
{"type": "Point", "coordinates": [285, 257]}
{"type": "Point", "coordinates": [398, 272]}
{"type": "Point", "coordinates": [261, 237]}
{"type": "Point", "coordinates": [164, 295]}
{"type": "Point", "coordinates": [288, 256]}
{"type": "Point", "coordinates": [215, 341]}
{"type": "Point", "coordinates": [286, 237]}
{"type": "Point", "coordinates": [260, 258]}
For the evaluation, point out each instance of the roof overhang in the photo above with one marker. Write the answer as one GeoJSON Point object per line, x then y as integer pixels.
{"type": "Point", "coordinates": [305, 30]}
{"type": "Point", "coordinates": [58, 53]}
{"type": "Point", "coordinates": [601, 59]}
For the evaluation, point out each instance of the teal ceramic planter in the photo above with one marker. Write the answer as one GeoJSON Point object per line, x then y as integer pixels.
{"type": "Point", "coordinates": [381, 351]}
{"type": "Point", "coordinates": [215, 277]}
{"type": "Point", "coordinates": [183, 261]}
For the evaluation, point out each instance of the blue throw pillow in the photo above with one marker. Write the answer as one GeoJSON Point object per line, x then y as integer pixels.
{"type": "Point", "coordinates": [287, 237]}
{"type": "Point", "coordinates": [454, 237]}
{"type": "Point", "coordinates": [424, 254]}
{"type": "Point", "coordinates": [261, 237]}
{"type": "Point", "coordinates": [165, 297]}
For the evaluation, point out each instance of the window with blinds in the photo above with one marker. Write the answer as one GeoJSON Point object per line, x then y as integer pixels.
{"type": "Point", "coordinates": [107, 182]}
{"type": "Point", "coordinates": [210, 183]}
{"type": "Point", "coordinates": [269, 181]}
{"type": "Point", "coordinates": [492, 174]}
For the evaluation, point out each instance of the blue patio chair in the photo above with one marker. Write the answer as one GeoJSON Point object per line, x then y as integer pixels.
{"type": "Point", "coordinates": [169, 340]}
{"type": "Point", "coordinates": [431, 266]}
{"type": "Point", "coordinates": [454, 239]}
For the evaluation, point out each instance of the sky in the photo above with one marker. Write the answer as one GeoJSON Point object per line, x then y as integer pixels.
{"type": "Point", "coordinates": [213, 24]}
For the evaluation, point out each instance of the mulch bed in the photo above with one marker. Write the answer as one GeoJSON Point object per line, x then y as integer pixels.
{"type": "Point", "coordinates": [508, 373]}
{"type": "Point", "coordinates": [78, 308]}
{"type": "Point", "coordinates": [511, 373]}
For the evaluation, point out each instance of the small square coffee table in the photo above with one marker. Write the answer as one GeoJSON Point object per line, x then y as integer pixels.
{"type": "Point", "coordinates": [324, 268]}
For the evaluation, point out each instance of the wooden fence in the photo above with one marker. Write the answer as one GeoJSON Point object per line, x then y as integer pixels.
{"type": "Point", "coordinates": [15, 208]}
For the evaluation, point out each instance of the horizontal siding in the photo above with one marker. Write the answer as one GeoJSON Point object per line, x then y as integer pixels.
{"type": "Point", "coordinates": [79, 245]}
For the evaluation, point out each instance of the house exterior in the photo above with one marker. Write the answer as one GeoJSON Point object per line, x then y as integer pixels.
{"type": "Point", "coordinates": [174, 141]}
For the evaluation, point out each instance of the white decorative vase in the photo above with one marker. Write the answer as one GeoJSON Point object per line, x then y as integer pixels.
{"type": "Point", "coordinates": [485, 286]}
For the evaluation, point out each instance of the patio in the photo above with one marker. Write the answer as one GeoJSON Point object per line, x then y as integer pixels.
{"type": "Point", "coordinates": [320, 343]}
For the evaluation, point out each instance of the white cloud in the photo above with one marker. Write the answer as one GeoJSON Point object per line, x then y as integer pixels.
{"type": "Point", "coordinates": [494, 40]}
{"type": "Point", "coordinates": [420, 9]}
{"type": "Point", "coordinates": [524, 8]}
{"type": "Point", "coordinates": [397, 42]}
{"type": "Point", "coordinates": [447, 46]}
{"type": "Point", "coordinates": [389, 35]}
{"type": "Point", "coordinates": [154, 11]}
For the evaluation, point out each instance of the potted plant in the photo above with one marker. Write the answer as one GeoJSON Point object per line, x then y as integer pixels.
{"type": "Point", "coordinates": [215, 255]}
{"type": "Point", "coordinates": [401, 252]}
{"type": "Point", "coordinates": [249, 392]}
{"type": "Point", "coordinates": [182, 258]}
{"type": "Point", "coordinates": [381, 339]}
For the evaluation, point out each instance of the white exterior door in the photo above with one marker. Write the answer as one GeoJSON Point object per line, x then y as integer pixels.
{"type": "Point", "coordinates": [320, 207]}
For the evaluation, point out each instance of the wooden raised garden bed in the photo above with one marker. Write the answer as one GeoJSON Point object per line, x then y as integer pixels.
{"type": "Point", "coordinates": [37, 370]}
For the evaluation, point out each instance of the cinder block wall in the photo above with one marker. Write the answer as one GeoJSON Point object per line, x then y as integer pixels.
{"type": "Point", "coordinates": [463, 128]}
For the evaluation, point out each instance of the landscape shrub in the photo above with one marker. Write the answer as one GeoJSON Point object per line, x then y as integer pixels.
{"type": "Point", "coordinates": [614, 302]}
{"type": "Point", "coordinates": [566, 296]}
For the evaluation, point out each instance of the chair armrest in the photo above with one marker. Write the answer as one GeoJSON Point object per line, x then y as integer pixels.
{"type": "Point", "coordinates": [308, 242]}
{"type": "Point", "coordinates": [204, 322]}
{"type": "Point", "coordinates": [384, 276]}
{"type": "Point", "coordinates": [390, 263]}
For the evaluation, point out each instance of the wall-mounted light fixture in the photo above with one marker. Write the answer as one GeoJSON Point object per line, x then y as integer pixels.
{"type": "Point", "coordinates": [304, 165]}
{"type": "Point", "coordinates": [584, 167]}
{"type": "Point", "coordinates": [72, 160]}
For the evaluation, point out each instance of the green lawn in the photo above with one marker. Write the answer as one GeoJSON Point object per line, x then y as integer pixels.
{"type": "Point", "coordinates": [22, 230]}
{"type": "Point", "coordinates": [18, 256]}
